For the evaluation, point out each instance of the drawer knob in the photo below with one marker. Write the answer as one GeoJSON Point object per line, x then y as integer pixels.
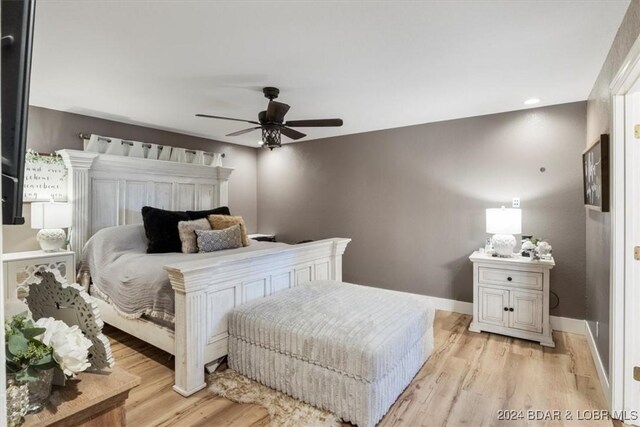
{"type": "Point", "coordinates": [506, 309]}
{"type": "Point", "coordinates": [510, 308]}
{"type": "Point", "coordinates": [509, 278]}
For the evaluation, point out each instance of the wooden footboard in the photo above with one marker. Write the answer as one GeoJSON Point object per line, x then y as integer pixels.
{"type": "Point", "coordinates": [206, 290]}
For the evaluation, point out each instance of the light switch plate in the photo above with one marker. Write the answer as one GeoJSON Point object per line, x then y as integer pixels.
{"type": "Point", "coordinates": [516, 202]}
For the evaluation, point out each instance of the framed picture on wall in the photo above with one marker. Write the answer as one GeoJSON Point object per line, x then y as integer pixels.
{"type": "Point", "coordinates": [595, 174]}
{"type": "Point", "coordinates": [45, 178]}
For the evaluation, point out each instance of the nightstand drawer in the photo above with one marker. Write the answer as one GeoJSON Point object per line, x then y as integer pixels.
{"type": "Point", "coordinates": [512, 278]}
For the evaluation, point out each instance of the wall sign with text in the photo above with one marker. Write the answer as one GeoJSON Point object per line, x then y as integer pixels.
{"type": "Point", "coordinates": [45, 178]}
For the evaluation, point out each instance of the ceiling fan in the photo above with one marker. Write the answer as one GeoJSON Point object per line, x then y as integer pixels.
{"type": "Point", "coordinates": [272, 123]}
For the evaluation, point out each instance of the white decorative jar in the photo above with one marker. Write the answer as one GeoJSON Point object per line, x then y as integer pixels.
{"type": "Point", "coordinates": [51, 239]}
{"type": "Point", "coordinates": [503, 244]}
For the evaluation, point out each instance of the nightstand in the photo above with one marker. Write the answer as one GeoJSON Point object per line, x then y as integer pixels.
{"type": "Point", "coordinates": [19, 269]}
{"type": "Point", "coordinates": [511, 297]}
{"type": "Point", "coordinates": [263, 237]}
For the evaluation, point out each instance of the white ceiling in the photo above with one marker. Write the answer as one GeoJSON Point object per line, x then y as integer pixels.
{"type": "Point", "coordinates": [376, 64]}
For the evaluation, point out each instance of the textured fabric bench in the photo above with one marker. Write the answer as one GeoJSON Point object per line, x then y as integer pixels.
{"type": "Point", "coordinates": [345, 348]}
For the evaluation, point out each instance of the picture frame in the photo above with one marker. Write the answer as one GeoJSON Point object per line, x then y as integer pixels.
{"type": "Point", "coordinates": [45, 178]}
{"type": "Point", "coordinates": [595, 175]}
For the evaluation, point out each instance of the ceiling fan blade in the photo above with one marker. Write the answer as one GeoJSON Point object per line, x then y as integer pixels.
{"type": "Point", "coordinates": [314, 123]}
{"type": "Point", "coordinates": [291, 133]}
{"type": "Point", "coordinates": [276, 111]}
{"type": "Point", "coordinates": [243, 131]}
{"type": "Point", "coordinates": [227, 118]}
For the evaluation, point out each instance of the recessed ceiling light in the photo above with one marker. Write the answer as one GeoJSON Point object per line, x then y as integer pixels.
{"type": "Point", "coordinates": [531, 101]}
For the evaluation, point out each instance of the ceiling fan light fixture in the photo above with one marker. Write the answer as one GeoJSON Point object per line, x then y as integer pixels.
{"type": "Point", "coordinates": [271, 137]}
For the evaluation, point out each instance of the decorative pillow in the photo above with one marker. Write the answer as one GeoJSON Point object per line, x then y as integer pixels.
{"type": "Point", "coordinates": [217, 240]}
{"type": "Point", "coordinates": [220, 222]}
{"type": "Point", "coordinates": [186, 230]}
{"type": "Point", "coordinates": [161, 228]}
{"type": "Point", "coordinates": [222, 210]}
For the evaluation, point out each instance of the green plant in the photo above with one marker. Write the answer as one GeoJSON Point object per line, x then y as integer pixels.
{"type": "Point", "coordinates": [535, 240]}
{"type": "Point", "coordinates": [25, 354]}
{"type": "Point", "coordinates": [32, 156]}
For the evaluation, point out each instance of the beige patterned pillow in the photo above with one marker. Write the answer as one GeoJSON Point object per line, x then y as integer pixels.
{"type": "Point", "coordinates": [220, 222]}
{"type": "Point", "coordinates": [186, 230]}
{"type": "Point", "coordinates": [217, 240]}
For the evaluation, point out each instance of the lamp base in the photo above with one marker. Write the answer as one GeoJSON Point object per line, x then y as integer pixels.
{"type": "Point", "coordinates": [52, 239]}
{"type": "Point", "coordinates": [503, 244]}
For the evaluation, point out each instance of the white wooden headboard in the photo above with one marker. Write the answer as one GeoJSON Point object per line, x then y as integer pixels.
{"type": "Point", "coordinates": [107, 190]}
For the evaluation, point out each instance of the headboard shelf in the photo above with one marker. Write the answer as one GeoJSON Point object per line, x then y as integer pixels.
{"type": "Point", "coordinates": [107, 190]}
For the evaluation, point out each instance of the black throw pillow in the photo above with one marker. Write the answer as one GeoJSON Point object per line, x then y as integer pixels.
{"type": "Point", "coordinates": [222, 210]}
{"type": "Point", "coordinates": [161, 228]}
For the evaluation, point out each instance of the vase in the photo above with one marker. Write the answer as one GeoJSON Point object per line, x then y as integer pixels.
{"type": "Point", "coordinates": [39, 391]}
{"type": "Point", "coordinates": [17, 401]}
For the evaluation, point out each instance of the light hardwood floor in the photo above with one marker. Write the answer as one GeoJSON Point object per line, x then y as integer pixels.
{"type": "Point", "coordinates": [467, 380]}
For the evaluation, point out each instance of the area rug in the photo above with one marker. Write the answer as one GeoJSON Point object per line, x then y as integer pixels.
{"type": "Point", "coordinates": [284, 411]}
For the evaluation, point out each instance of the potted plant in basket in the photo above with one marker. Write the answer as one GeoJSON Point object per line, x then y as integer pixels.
{"type": "Point", "coordinates": [35, 349]}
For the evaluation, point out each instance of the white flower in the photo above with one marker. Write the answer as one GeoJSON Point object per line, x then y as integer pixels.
{"type": "Point", "coordinates": [70, 346]}
{"type": "Point", "coordinates": [528, 245]}
{"type": "Point", "coordinates": [544, 248]}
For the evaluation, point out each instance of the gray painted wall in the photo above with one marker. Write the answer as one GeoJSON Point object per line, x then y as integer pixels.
{"type": "Point", "coordinates": [50, 130]}
{"type": "Point", "coordinates": [413, 198]}
{"type": "Point", "coordinates": [598, 225]}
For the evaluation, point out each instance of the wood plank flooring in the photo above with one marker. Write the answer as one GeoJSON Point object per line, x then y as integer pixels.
{"type": "Point", "coordinates": [467, 380]}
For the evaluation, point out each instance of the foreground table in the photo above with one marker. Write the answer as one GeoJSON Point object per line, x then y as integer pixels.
{"type": "Point", "coordinates": [92, 399]}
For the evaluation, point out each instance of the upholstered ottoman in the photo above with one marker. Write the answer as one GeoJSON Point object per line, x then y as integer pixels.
{"type": "Point", "coordinates": [345, 348]}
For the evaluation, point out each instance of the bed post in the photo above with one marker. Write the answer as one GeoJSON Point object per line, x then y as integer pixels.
{"type": "Point", "coordinates": [339, 246]}
{"type": "Point", "coordinates": [78, 164]}
{"type": "Point", "coordinates": [223, 185]}
{"type": "Point", "coordinates": [189, 332]}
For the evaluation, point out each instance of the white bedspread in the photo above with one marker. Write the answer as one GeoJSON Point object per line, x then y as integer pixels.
{"type": "Point", "coordinates": [133, 281]}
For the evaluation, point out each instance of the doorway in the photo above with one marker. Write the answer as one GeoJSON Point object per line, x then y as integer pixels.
{"type": "Point", "coordinates": [625, 258]}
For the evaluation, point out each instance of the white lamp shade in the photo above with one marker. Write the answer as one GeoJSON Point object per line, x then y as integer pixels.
{"type": "Point", "coordinates": [46, 215]}
{"type": "Point", "coordinates": [504, 221]}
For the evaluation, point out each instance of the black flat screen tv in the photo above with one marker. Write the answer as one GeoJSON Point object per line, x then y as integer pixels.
{"type": "Point", "coordinates": [15, 70]}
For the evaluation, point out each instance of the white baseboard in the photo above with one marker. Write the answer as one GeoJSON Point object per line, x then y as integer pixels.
{"type": "Point", "coordinates": [445, 304]}
{"type": "Point", "coordinates": [564, 324]}
{"type": "Point", "coordinates": [567, 324]}
{"type": "Point", "coordinates": [602, 376]}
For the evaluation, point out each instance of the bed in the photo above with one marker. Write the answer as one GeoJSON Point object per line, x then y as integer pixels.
{"type": "Point", "coordinates": [135, 282]}
{"type": "Point", "coordinates": [109, 191]}
{"type": "Point", "coordinates": [342, 347]}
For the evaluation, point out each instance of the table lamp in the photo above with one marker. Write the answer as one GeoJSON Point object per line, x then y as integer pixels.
{"type": "Point", "coordinates": [503, 224]}
{"type": "Point", "coordinates": [50, 218]}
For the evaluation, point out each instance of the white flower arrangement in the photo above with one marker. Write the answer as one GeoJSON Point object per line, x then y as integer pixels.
{"type": "Point", "coordinates": [536, 248]}
{"type": "Point", "coordinates": [527, 246]}
{"type": "Point", "coordinates": [70, 346]}
{"type": "Point", "coordinates": [543, 249]}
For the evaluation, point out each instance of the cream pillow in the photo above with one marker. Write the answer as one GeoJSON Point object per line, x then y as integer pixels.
{"type": "Point", "coordinates": [220, 222]}
{"type": "Point", "coordinates": [186, 230]}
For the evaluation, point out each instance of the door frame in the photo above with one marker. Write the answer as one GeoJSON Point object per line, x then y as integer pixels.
{"type": "Point", "coordinates": [623, 393]}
